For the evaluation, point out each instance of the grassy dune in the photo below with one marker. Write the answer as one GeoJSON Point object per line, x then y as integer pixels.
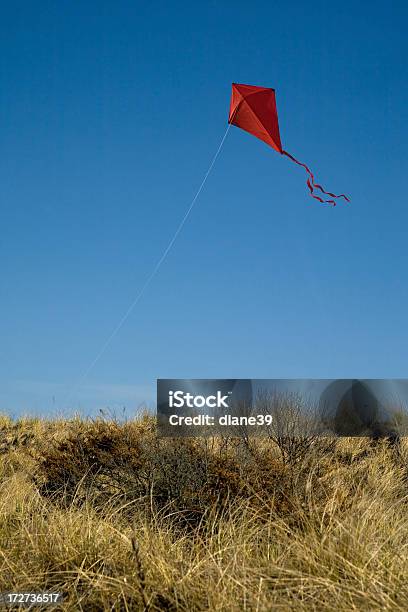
{"type": "Point", "coordinates": [119, 520]}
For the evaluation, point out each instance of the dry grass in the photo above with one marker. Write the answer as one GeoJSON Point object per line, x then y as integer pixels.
{"type": "Point", "coordinates": [119, 520]}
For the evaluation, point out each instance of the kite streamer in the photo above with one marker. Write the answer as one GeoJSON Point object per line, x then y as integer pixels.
{"type": "Point", "coordinates": [312, 185]}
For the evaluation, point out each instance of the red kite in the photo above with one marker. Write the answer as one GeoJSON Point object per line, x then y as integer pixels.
{"type": "Point", "coordinates": [253, 109]}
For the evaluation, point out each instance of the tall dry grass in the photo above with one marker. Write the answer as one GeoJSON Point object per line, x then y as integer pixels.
{"type": "Point", "coordinates": [117, 519]}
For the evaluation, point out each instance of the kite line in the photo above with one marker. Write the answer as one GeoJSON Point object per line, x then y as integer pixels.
{"type": "Point", "coordinates": [153, 273]}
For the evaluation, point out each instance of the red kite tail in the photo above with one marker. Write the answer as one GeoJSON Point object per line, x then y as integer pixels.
{"type": "Point", "coordinates": [312, 185]}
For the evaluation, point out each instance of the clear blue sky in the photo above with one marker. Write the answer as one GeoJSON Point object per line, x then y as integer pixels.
{"type": "Point", "coordinates": [110, 113]}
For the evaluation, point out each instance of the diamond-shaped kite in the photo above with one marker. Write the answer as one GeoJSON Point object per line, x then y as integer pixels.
{"type": "Point", "coordinates": [253, 109]}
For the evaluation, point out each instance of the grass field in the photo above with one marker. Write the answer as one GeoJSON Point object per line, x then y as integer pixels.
{"type": "Point", "coordinates": [117, 519]}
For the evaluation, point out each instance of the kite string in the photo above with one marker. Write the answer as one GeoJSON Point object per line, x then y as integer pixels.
{"type": "Point", "coordinates": [153, 273]}
{"type": "Point", "coordinates": [312, 185]}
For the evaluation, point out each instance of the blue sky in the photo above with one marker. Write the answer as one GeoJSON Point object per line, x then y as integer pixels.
{"type": "Point", "coordinates": [110, 114]}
